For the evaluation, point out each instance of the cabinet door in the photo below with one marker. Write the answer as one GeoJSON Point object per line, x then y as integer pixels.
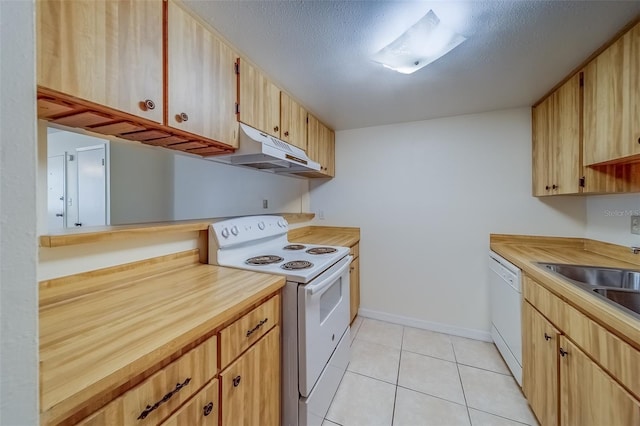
{"type": "Point", "coordinates": [107, 52]}
{"type": "Point", "coordinates": [589, 396]}
{"type": "Point", "coordinates": [321, 146]}
{"type": "Point", "coordinates": [293, 120]}
{"type": "Point", "coordinates": [540, 365]}
{"type": "Point", "coordinates": [201, 80]}
{"type": "Point", "coordinates": [259, 100]}
{"type": "Point", "coordinates": [556, 141]}
{"type": "Point", "coordinates": [611, 101]}
{"type": "Point", "coordinates": [542, 148]}
{"type": "Point", "coordinates": [201, 410]}
{"type": "Point", "coordinates": [251, 385]}
{"type": "Point", "coordinates": [354, 283]}
{"type": "Point", "coordinates": [567, 167]}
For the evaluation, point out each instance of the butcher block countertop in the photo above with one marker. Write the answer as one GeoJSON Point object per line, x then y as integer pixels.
{"type": "Point", "coordinates": [325, 235]}
{"type": "Point", "coordinates": [525, 251]}
{"type": "Point", "coordinates": [101, 329]}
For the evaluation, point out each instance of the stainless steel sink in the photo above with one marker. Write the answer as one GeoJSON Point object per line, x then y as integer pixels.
{"type": "Point", "coordinates": [598, 276]}
{"type": "Point", "coordinates": [628, 298]}
{"type": "Point", "coordinates": [619, 287]}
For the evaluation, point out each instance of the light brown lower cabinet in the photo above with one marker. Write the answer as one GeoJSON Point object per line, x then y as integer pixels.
{"type": "Point", "coordinates": [201, 410]}
{"type": "Point", "coordinates": [250, 386]}
{"type": "Point", "coordinates": [589, 396]}
{"type": "Point", "coordinates": [189, 390]}
{"type": "Point", "coordinates": [354, 289]}
{"type": "Point", "coordinates": [575, 372]}
{"type": "Point", "coordinates": [540, 364]}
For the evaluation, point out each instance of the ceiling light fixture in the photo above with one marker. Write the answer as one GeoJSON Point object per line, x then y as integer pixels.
{"type": "Point", "coordinates": [424, 42]}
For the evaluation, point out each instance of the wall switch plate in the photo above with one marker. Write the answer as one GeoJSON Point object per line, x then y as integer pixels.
{"type": "Point", "coordinates": [265, 204]}
{"type": "Point", "coordinates": [321, 215]}
{"type": "Point", "coordinates": [635, 225]}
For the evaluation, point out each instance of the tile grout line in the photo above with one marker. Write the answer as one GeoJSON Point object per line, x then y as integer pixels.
{"type": "Point", "coordinates": [464, 395]}
{"type": "Point", "coordinates": [503, 417]}
{"type": "Point", "coordinates": [395, 396]}
{"type": "Point", "coordinates": [432, 396]}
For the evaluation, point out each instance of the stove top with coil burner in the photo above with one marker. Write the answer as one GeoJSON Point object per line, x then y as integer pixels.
{"type": "Point", "coordinates": [259, 243]}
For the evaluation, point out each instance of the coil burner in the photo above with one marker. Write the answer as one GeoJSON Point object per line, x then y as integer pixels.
{"type": "Point", "coordinates": [297, 264]}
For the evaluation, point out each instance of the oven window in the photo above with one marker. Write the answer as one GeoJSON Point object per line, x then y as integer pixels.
{"type": "Point", "coordinates": [330, 299]}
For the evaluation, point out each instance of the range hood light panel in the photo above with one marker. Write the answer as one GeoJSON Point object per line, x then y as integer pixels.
{"type": "Point", "coordinates": [423, 43]}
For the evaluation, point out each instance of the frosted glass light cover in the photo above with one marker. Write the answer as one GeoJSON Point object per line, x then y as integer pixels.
{"type": "Point", "coordinates": [421, 44]}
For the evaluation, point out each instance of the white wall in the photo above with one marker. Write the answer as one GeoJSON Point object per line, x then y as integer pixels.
{"type": "Point", "coordinates": [207, 189]}
{"type": "Point", "coordinates": [426, 196]}
{"type": "Point", "coordinates": [141, 183]}
{"type": "Point", "coordinates": [18, 221]}
{"type": "Point", "coordinates": [609, 218]}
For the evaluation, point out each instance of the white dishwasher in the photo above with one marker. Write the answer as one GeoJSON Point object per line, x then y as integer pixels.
{"type": "Point", "coordinates": [505, 282]}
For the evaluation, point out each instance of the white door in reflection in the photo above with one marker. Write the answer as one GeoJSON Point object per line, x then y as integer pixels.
{"type": "Point", "coordinates": [92, 186]}
{"type": "Point", "coordinates": [56, 195]}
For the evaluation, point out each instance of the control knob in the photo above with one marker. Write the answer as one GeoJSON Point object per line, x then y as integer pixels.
{"type": "Point", "coordinates": [234, 230]}
{"type": "Point", "coordinates": [225, 233]}
{"type": "Point", "coordinates": [261, 226]}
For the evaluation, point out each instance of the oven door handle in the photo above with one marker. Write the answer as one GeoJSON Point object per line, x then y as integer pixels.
{"type": "Point", "coordinates": [327, 282]}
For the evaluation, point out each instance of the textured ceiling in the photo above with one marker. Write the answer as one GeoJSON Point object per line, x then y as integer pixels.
{"type": "Point", "coordinates": [320, 52]}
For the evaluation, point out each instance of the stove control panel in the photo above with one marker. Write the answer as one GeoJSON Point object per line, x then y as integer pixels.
{"type": "Point", "coordinates": [245, 229]}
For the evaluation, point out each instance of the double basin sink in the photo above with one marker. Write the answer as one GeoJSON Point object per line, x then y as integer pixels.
{"type": "Point", "coordinates": [619, 287]}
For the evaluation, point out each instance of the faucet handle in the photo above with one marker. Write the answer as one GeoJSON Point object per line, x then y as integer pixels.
{"type": "Point", "coordinates": [635, 250]}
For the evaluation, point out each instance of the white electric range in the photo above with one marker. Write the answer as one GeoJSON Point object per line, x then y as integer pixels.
{"type": "Point", "coordinates": [315, 308]}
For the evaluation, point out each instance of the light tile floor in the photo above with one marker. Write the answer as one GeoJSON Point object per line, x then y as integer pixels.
{"type": "Point", "coordinates": [411, 377]}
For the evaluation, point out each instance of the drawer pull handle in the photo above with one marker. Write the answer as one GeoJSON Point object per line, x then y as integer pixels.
{"type": "Point", "coordinates": [563, 352]}
{"type": "Point", "coordinates": [236, 381]}
{"type": "Point", "coordinates": [254, 329]}
{"type": "Point", "coordinates": [547, 337]}
{"type": "Point", "coordinates": [207, 409]}
{"type": "Point", "coordinates": [164, 399]}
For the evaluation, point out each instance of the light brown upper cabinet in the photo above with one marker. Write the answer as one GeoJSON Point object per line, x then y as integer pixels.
{"type": "Point", "coordinates": [557, 141]}
{"type": "Point", "coordinates": [107, 52]}
{"type": "Point", "coordinates": [293, 122]}
{"type": "Point", "coordinates": [201, 79]}
{"type": "Point", "coordinates": [321, 147]}
{"type": "Point", "coordinates": [259, 100]}
{"type": "Point", "coordinates": [612, 102]}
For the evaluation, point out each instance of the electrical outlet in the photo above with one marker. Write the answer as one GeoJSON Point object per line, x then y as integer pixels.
{"type": "Point", "coordinates": [265, 204]}
{"type": "Point", "coordinates": [635, 225]}
{"type": "Point", "coordinates": [321, 215]}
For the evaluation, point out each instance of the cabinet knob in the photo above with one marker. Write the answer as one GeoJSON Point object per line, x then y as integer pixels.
{"type": "Point", "coordinates": [547, 337]}
{"type": "Point", "coordinates": [276, 128]}
{"type": "Point", "coordinates": [147, 104]}
{"type": "Point", "coordinates": [555, 186]}
{"type": "Point", "coordinates": [236, 381]}
{"type": "Point", "coordinates": [547, 187]}
{"type": "Point", "coordinates": [638, 140]}
{"type": "Point", "coordinates": [207, 409]}
{"type": "Point", "coordinates": [563, 352]}
{"type": "Point", "coordinates": [286, 133]}
{"type": "Point", "coordinates": [182, 117]}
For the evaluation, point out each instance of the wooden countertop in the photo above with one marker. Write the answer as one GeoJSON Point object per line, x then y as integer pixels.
{"type": "Point", "coordinates": [125, 321]}
{"type": "Point", "coordinates": [525, 251]}
{"type": "Point", "coordinates": [328, 235]}
{"type": "Point", "coordinates": [109, 233]}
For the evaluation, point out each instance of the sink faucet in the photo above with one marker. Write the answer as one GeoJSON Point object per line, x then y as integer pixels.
{"type": "Point", "coordinates": [635, 250]}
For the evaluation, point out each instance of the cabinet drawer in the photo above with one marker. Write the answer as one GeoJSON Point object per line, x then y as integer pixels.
{"type": "Point", "coordinates": [201, 410]}
{"type": "Point", "coordinates": [243, 333]}
{"type": "Point", "coordinates": [155, 398]}
{"type": "Point", "coordinates": [355, 250]}
{"type": "Point", "coordinates": [549, 305]}
{"type": "Point", "coordinates": [617, 357]}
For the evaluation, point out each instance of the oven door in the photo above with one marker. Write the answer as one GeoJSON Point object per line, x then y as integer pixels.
{"type": "Point", "coordinates": [323, 317]}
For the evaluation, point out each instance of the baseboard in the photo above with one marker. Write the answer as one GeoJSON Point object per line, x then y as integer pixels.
{"type": "Point", "coordinates": [485, 336]}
